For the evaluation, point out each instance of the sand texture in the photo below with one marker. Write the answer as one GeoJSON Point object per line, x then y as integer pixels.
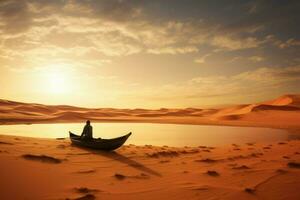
{"type": "Point", "coordinates": [34, 168]}
{"type": "Point", "coordinates": [283, 112]}
{"type": "Point", "coordinates": [54, 169]}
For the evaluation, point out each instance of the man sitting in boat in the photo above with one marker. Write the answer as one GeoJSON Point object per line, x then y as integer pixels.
{"type": "Point", "coordinates": [87, 133]}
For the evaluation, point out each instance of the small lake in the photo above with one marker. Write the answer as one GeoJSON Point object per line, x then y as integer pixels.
{"type": "Point", "coordinates": [155, 134]}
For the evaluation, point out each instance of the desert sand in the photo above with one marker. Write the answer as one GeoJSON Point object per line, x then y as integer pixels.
{"type": "Point", "coordinates": [283, 112]}
{"type": "Point", "coordinates": [34, 168]}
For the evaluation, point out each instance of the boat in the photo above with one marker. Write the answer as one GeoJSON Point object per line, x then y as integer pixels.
{"type": "Point", "coordinates": [99, 143]}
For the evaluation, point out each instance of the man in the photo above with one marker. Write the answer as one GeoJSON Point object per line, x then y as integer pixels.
{"type": "Point", "coordinates": [87, 133]}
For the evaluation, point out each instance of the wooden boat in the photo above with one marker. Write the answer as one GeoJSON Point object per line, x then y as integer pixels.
{"type": "Point", "coordinates": [100, 144]}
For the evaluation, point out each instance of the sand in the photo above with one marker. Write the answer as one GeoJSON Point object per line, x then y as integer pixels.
{"type": "Point", "coordinates": [283, 112]}
{"type": "Point", "coordinates": [34, 168]}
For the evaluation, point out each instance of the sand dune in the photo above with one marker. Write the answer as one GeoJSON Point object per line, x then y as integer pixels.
{"type": "Point", "coordinates": [285, 100]}
{"type": "Point", "coordinates": [54, 169]}
{"type": "Point", "coordinates": [272, 107]}
{"type": "Point", "coordinates": [285, 111]}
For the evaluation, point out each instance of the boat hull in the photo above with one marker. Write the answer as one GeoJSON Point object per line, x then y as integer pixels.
{"type": "Point", "coordinates": [100, 144]}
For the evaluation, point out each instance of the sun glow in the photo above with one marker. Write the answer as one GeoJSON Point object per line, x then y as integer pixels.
{"type": "Point", "coordinates": [57, 83]}
{"type": "Point", "coordinates": [57, 78]}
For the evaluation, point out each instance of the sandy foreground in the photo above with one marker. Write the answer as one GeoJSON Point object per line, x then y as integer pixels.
{"type": "Point", "coordinates": [34, 168]}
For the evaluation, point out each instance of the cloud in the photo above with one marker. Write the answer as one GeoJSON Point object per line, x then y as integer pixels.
{"type": "Point", "coordinates": [91, 32]}
{"type": "Point", "coordinates": [271, 75]}
{"type": "Point", "coordinates": [256, 58]}
{"type": "Point", "coordinates": [15, 17]}
{"type": "Point", "coordinates": [281, 43]}
{"type": "Point", "coordinates": [115, 28]}
{"type": "Point", "coordinates": [173, 50]}
{"type": "Point", "coordinates": [112, 10]}
{"type": "Point", "coordinates": [94, 31]}
{"type": "Point", "coordinates": [235, 44]}
{"type": "Point", "coordinates": [205, 89]}
{"type": "Point", "coordinates": [202, 59]}
{"type": "Point", "coordinates": [271, 16]}
{"type": "Point", "coordinates": [289, 43]}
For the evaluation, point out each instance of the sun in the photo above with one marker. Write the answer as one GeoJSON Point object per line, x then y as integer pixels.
{"type": "Point", "coordinates": [57, 78]}
{"type": "Point", "coordinates": [57, 83]}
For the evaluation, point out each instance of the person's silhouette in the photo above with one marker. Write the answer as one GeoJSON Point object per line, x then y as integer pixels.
{"type": "Point", "coordinates": [87, 133]}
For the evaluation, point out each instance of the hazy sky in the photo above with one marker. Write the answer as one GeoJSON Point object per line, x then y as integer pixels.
{"type": "Point", "coordinates": [151, 54]}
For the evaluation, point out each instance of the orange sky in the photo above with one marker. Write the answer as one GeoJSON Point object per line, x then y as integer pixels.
{"type": "Point", "coordinates": [148, 54]}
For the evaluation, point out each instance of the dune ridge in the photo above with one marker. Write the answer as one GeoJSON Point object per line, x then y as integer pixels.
{"type": "Point", "coordinates": [285, 110]}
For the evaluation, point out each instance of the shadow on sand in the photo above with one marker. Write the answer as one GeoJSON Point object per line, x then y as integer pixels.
{"type": "Point", "coordinates": [123, 159]}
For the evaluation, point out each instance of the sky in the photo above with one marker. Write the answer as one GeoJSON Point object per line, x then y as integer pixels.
{"type": "Point", "coordinates": [148, 53]}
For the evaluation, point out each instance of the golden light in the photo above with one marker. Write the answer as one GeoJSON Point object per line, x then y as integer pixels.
{"type": "Point", "coordinates": [57, 83]}
{"type": "Point", "coordinates": [57, 78]}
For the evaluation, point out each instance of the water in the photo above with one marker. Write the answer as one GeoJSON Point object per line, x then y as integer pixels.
{"type": "Point", "coordinates": [155, 134]}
